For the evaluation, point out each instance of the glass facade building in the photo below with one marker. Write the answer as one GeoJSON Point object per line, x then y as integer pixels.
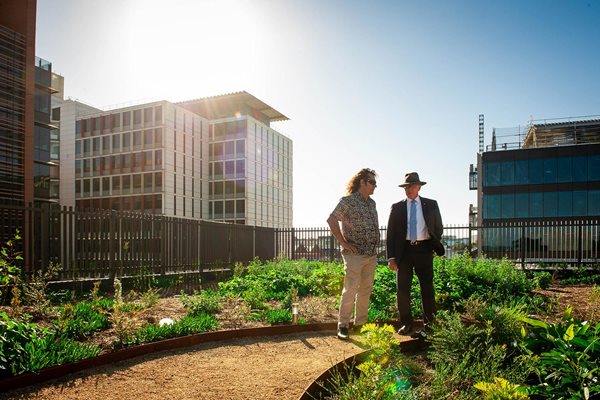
{"type": "Point", "coordinates": [542, 183]}
{"type": "Point", "coordinates": [550, 182]}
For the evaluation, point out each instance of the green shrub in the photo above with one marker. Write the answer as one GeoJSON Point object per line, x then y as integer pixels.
{"type": "Point", "coordinates": [84, 318]}
{"type": "Point", "coordinates": [205, 302]}
{"type": "Point", "coordinates": [382, 304]}
{"type": "Point", "coordinates": [276, 316]}
{"type": "Point", "coordinates": [568, 356]}
{"type": "Point", "coordinates": [15, 334]}
{"type": "Point", "coordinates": [542, 279]}
{"type": "Point", "coordinates": [255, 297]}
{"type": "Point", "coordinates": [463, 354]}
{"type": "Point", "coordinates": [53, 350]}
{"type": "Point", "coordinates": [25, 347]}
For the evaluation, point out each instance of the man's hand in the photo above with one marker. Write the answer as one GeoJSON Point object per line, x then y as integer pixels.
{"type": "Point", "coordinates": [347, 246]}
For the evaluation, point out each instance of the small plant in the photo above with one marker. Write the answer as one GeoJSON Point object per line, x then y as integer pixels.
{"type": "Point", "coordinates": [35, 292]}
{"type": "Point", "coordinates": [277, 316]}
{"type": "Point", "coordinates": [568, 357]}
{"type": "Point", "coordinates": [124, 324]}
{"type": "Point", "coordinates": [10, 272]}
{"type": "Point", "coordinates": [255, 297]}
{"type": "Point", "coordinates": [150, 297]}
{"type": "Point", "coordinates": [501, 389]}
{"type": "Point", "coordinates": [235, 311]}
{"type": "Point", "coordinates": [381, 342]}
{"type": "Point", "coordinates": [239, 270]}
{"type": "Point", "coordinates": [81, 320]}
{"type": "Point", "coordinates": [144, 280]}
{"type": "Point", "coordinates": [204, 302]}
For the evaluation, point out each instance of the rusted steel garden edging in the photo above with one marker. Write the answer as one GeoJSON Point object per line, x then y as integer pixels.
{"type": "Point", "coordinates": [31, 378]}
{"type": "Point", "coordinates": [318, 387]}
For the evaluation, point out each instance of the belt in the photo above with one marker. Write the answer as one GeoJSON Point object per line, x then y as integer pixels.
{"type": "Point", "coordinates": [416, 242]}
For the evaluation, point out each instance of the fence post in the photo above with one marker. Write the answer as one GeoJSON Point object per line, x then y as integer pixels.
{"type": "Point", "coordinates": [293, 249]}
{"type": "Point", "coordinates": [331, 248]}
{"type": "Point", "coordinates": [522, 244]}
{"type": "Point", "coordinates": [580, 243]}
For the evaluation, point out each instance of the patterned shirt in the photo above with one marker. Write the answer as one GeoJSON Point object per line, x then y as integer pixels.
{"type": "Point", "coordinates": [360, 225]}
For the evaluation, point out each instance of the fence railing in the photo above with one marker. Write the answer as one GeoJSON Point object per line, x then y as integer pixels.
{"type": "Point", "coordinates": [105, 243]}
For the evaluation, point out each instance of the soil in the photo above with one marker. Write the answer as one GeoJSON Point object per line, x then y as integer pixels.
{"type": "Point", "coordinates": [265, 368]}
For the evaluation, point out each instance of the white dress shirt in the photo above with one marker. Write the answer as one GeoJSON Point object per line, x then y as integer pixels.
{"type": "Point", "coordinates": [422, 232]}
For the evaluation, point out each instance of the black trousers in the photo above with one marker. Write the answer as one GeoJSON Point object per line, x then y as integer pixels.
{"type": "Point", "coordinates": [417, 259]}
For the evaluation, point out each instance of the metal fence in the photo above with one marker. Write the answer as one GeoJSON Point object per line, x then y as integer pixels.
{"type": "Point", "coordinates": [319, 243]}
{"type": "Point", "coordinates": [105, 243]}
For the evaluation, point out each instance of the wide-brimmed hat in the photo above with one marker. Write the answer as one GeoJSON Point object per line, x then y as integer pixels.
{"type": "Point", "coordinates": [410, 179]}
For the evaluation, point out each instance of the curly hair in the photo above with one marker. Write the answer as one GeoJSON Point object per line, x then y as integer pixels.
{"type": "Point", "coordinates": [354, 183]}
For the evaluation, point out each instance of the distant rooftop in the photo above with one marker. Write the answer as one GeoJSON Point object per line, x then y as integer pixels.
{"type": "Point", "coordinates": [232, 104]}
{"type": "Point", "coordinates": [547, 132]}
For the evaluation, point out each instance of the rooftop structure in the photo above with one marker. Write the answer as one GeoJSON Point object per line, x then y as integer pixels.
{"type": "Point", "coordinates": [547, 133]}
{"type": "Point", "coordinates": [232, 104]}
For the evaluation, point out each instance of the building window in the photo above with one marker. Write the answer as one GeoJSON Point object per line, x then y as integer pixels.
{"type": "Point", "coordinates": [240, 148]}
{"type": "Point", "coordinates": [126, 184]}
{"type": "Point", "coordinates": [147, 159]}
{"type": "Point", "coordinates": [229, 169]}
{"type": "Point", "coordinates": [106, 186]}
{"type": "Point", "coordinates": [229, 189]}
{"type": "Point", "coordinates": [218, 206]}
{"type": "Point", "coordinates": [229, 149]}
{"type": "Point", "coordinates": [158, 137]}
{"type": "Point", "coordinates": [116, 185]}
{"type": "Point", "coordinates": [240, 188]}
{"type": "Point", "coordinates": [116, 121]}
{"type": "Point", "coordinates": [106, 144]}
{"type": "Point", "coordinates": [240, 208]}
{"type": "Point", "coordinates": [158, 159]}
{"type": "Point", "coordinates": [147, 116]}
{"type": "Point", "coordinates": [158, 114]}
{"type": "Point", "coordinates": [240, 169]}
{"type": "Point", "coordinates": [127, 120]}
{"type": "Point", "coordinates": [126, 141]}
{"type": "Point", "coordinates": [148, 133]}
{"type": "Point", "coordinates": [137, 139]}
{"type": "Point", "coordinates": [148, 178]}
{"type": "Point", "coordinates": [158, 181]}
{"type": "Point", "coordinates": [116, 142]}
{"type": "Point", "coordinates": [137, 118]}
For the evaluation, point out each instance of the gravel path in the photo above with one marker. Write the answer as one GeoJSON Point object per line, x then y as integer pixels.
{"type": "Point", "coordinates": [250, 368]}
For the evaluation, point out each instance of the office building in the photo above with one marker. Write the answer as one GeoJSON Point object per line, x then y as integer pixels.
{"type": "Point", "coordinates": [18, 90]}
{"type": "Point", "coordinates": [546, 172]}
{"type": "Point", "coordinates": [148, 158]}
{"type": "Point", "coordinates": [250, 164]}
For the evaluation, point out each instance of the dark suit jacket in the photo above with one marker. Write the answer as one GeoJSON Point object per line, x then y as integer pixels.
{"type": "Point", "coordinates": [396, 229]}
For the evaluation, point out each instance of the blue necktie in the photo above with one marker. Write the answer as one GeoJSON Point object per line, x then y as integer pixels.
{"type": "Point", "coordinates": [412, 222]}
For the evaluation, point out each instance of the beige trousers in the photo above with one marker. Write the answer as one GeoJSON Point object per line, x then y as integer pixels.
{"type": "Point", "coordinates": [359, 273]}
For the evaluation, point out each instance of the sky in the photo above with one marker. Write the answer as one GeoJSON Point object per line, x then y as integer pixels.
{"type": "Point", "coordinates": [396, 86]}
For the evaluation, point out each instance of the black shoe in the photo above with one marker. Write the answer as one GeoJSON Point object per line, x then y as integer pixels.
{"type": "Point", "coordinates": [405, 329]}
{"type": "Point", "coordinates": [420, 334]}
{"type": "Point", "coordinates": [342, 333]}
{"type": "Point", "coordinates": [356, 328]}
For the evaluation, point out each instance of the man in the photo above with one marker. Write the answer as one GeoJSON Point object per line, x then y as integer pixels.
{"type": "Point", "coordinates": [414, 233]}
{"type": "Point", "coordinates": [358, 237]}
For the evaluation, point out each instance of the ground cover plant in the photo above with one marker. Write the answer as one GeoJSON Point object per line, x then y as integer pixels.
{"type": "Point", "coordinates": [491, 340]}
